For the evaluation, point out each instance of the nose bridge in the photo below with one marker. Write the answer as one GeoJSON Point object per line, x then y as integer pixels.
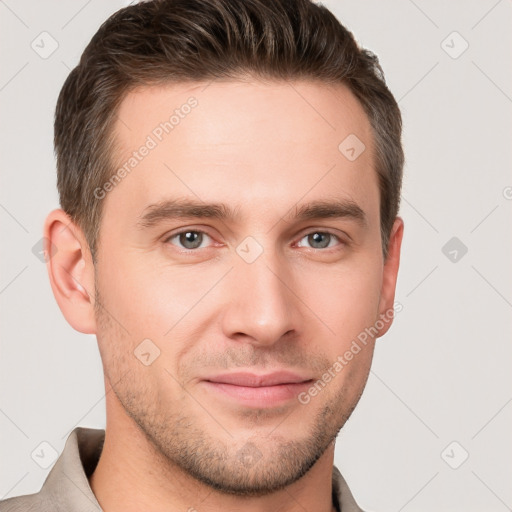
{"type": "Point", "coordinates": [262, 305]}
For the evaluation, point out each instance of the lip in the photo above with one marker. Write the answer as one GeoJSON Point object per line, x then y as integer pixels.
{"type": "Point", "coordinates": [258, 390]}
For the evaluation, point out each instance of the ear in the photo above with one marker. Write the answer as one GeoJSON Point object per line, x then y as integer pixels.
{"type": "Point", "coordinates": [389, 276]}
{"type": "Point", "coordinates": [71, 271]}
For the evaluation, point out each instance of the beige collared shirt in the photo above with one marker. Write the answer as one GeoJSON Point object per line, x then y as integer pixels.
{"type": "Point", "coordinates": [67, 489]}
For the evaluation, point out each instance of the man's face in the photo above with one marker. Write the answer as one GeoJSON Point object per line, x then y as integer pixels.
{"type": "Point", "coordinates": [242, 296]}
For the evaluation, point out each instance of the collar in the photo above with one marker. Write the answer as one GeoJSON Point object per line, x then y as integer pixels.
{"type": "Point", "coordinates": [67, 489]}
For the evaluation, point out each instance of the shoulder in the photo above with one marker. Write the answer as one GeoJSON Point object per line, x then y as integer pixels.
{"type": "Point", "coordinates": [66, 487]}
{"type": "Point", "coordinates": [27, 503]}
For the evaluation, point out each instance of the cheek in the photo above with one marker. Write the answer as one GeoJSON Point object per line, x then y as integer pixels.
{"type": "Point", "coordinates": [346, 299]}
{"type": "Point", "coordinates": [150, 298]}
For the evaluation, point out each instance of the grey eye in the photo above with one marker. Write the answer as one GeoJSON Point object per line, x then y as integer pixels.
{"type": "Point", "coordinates": [189, 239]}
{"type": "Point", "coordinates": [320, 239]}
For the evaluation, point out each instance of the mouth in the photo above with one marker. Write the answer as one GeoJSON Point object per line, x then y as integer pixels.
{"type": "Point", "coordinates": [258, 390]}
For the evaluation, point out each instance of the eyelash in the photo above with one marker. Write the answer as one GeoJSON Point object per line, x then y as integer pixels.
{"type": "Point", "coordinates": [323, 232]}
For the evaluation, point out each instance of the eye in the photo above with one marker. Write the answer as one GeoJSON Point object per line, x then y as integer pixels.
{"type": "Point", "coordinates": [189, 239]}
{"type": "Point", "coordinates": [320, 239]}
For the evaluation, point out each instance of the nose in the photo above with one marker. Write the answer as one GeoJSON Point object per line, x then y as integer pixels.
{"type": "Point", "coordinates": [263, 306]}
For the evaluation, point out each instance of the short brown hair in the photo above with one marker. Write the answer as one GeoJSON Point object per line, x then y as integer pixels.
{"type": "Point", "coordinates": [172, 41]}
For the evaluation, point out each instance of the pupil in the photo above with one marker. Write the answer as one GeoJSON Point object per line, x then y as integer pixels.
{"type": "Point", "coordinates": [320, 239]}
{"type": "Point", "coordinates": [190, 239]}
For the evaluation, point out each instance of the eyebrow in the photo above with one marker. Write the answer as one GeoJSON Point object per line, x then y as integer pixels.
{"type": "Point", "coordinates": [190, 208]}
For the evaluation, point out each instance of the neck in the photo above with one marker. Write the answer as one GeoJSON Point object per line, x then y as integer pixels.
{"type": "Point", "coordinates": [132, 475]}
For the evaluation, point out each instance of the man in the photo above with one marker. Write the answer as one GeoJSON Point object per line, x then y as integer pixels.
{"type": "Point", "coordinates": [229, 174]}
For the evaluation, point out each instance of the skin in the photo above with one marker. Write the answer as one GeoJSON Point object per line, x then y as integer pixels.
{"type": "Point", "coordinates": [263, 148]}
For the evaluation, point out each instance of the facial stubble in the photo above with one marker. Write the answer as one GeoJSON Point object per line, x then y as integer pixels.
{"type": "Point", "coordinates": [229, 463]}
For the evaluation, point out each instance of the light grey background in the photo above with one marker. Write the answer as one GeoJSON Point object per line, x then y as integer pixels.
{"type": "Point", "coordinates": [442, 373]}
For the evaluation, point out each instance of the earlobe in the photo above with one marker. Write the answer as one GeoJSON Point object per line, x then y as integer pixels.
{"type": "Point", "coordinates": [71, 271]}
{"type": "Point", "coordinates": [390, 274]}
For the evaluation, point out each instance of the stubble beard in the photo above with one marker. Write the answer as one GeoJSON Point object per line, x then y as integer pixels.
{"type": "Point", "coordinates": [254, 466]}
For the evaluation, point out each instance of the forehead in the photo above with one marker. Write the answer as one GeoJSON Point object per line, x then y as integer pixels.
{"type": "Point", "coordinates": [225, 111]}
{"type": "Point", "coordinates": [246, 143]}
